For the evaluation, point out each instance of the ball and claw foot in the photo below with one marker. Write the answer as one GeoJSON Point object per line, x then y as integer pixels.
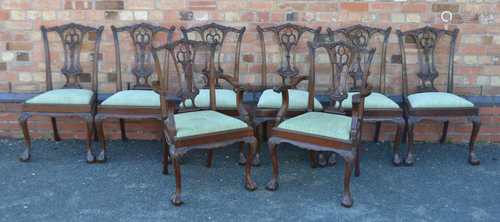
{"type": "Point", "coordinates": [256, 160]}
{"type": "Point", "coordinates": [473, 160]}
{"type": "Point", "coordinates": [176, 200]}
{"type": "Point", "coordinates": [346, 200]}
{"type": "Point", "coordinates": [410, 160]}
{"type": "Point", "coordinates": [272, 185]}
{"type": "Point", "coordinates": [102, 157]}
{"type": "Point", "coordinates": [250, 185]}
{"type": "Point", "coordinates": [25, 156]}
{"type": "Point", "coordinates": [322, 160]}
{"type": "Point", "coordinates": [332, 160]}
{"type": "Point", "coordinates": [396, 160]}
{"type": "Point", "coordinates": [90, 157]}
{"type": "Point", "coordinates": [242, 159]}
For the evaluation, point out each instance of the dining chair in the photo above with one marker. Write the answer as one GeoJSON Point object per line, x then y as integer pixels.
{"type": "Point", "coordinates": [227, 42]}
{"type": "Point", "coordinates": [72, 100]}
{"type": "Point", "coordinates": [137, 101]}
{"type": "Point", "coordinates": [331, 129]}
{"type": "Point", "coordinates": [379, 107]}
{"type": "Point", "coordinates": [289, 42]}
{"type": "Point", "coordinates": [427, 100]}
{"type": "Point", "coordinates": [186, 128]}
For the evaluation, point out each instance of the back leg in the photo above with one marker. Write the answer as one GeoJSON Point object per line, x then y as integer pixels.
{"type": "Point", "coordinates": [476, 124]}
{"type": "Point", "coordinates": [122, 130]}
{"type": "Point", "coordinates": [90, 132]}
{"type": "Point", "coordinates": [54, 129]}
{"type": "Point", "coordinates": [273, 184]}
{"type": "Point", "coordinates": [23, 121]}
{"type": "Point", "coordinates": [210, 157]}
{"type": "Point", "coordinates": [445, 131]}
{"type": "Point", "coordinates": [377, 131]}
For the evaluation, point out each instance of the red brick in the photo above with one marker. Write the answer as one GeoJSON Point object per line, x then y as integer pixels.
{"type": "Point", "coordinates": [19, 46]}
{"type": "Point", "coordinates": [354, 7]}
{"type": "Point", "coordinates": [414, 7]}
{"type": "Point", "coordinates": [109, 5]}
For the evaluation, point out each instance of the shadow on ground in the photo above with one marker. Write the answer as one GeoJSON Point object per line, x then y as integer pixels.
{"type": "Point", "coordinates": [59, 186]}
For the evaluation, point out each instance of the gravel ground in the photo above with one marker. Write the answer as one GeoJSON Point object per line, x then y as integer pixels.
{"type": "Point", "coordinates": [57, 185]}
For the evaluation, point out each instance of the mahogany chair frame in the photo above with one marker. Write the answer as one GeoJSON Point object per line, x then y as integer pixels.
{"type": "Point", "coordinates": [183, 54]}
{"type": "Point", "coordinates": [287, 36]}
{"type": "Point", "coordinates": [341, 57]}
{"type": "Point", "coordinates": [426, 40]}
{"type": "Point", "coordinates": [360, 36]}
{"type": "Point", "coordinates": [142, 36]}
{"type": "Point", "coordinates": [72, 36]}
{"type": "Point", "coordinates": [216, 35]}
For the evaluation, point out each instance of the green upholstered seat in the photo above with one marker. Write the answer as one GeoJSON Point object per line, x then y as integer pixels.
{"type": "Point", "coordinates": [373, 101]}
{"type": "Point", "coordinates": [297, 100]}
{"type": "Point", "coordinates": [63, 97]}
{"type": "Point", "coordinates": [133, 98]}
{"type": "Point", "coordinates": [224, 98]}
{"type": "Point", "coordinates": [438, 100]}
{"type": "Point", "coordinates": [203, 122]}
{"type": "Point", "coordinates": [321, 124]}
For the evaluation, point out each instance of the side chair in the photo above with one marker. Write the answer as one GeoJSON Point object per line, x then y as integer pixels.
{"type": "Point", "coordinates": [228, 100]}
{"type": "Point", "coordinates": [72, 100]}
{"type": "Point", "coordinates": [185, 129]}
{"type": "Point", "coordinates": [426, 102]}
{"type": "Point", "coordinates": [138, 102]}
{"type": "Point", "coordinates": [291, 41]}
{"type": "Point", "coordinates": [378, 107]}
{"type": "Point", "coordinates": [330, 130]}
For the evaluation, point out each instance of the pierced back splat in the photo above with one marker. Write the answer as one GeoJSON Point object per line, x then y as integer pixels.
{"type": "Point", "coordinates": [287, 36]}
{"type": "Point", "coordinates": [72, 36]}
{"type": "Point", "coordinates": [216, 36]}
{"type": "Point", "coordinates": [142, 36]}
{"type": "Point", "coordinates": [426, 40]}
{"type": "Point", "coordinates": [176, 75]}
{"type": "Point", "coordinates": [360, 36]}
{"type": "Point", "coordinates": [343, 57]}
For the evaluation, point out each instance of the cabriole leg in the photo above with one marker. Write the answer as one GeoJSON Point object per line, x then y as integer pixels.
{"type": "Point", "coordinates": [272, 185]}
{"type": "Point", "coordinates": [176, 197]}
{"type": "Point", "coordinates": [396, 158]}
{"type": "Point", "coordinates": [90, 131]}
{"type": "Point", "coordinates": [242, 159]}
{"type": "Point", "coordinates": [250, 185]}
{"type": "Point", "coordinates": [476, 125]}
{"type": "Point", "coordinates": [410, 157]}
{"type": "Point", "coordinates": [346, 196]}
{"type": "Point", "coordinates": [101, 158]}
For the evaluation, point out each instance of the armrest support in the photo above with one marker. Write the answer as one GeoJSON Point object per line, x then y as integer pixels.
{"type": "Point", "coordinates": [284, 104]}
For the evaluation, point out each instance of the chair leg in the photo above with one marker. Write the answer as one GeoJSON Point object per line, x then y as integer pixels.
{"type": "Point", "coordinates": [410, 157]}
{"type": "Point", "coordinates": [210, 157]}
{"type": "Point", "coordinates": [242, 159]}
{"type": "Point", "coordinates": [259, 134]}
{"type": "Point", "coordinates": [176, 197]}
{"type": "Point", "coordinates": [313, 158]}
{"type": "Point", "coordinates": [396, 158]}
{"type": "Point", "coordinates": [101, 158]}
{"type": "Point", "coordinates": [445, 132]}
{"type": "Point", "coordinates": [250, 185]}
{"type": "Point", "coordinates": [377, 131]}
{"type": "Point", "coordinates": [54, 129]}
{"type": "Point", "coordinates": [357, 170]}
{"type": "Point", "coordinates": [122, 130]}
{"type": "Point", "coordinates": [273, 184]}
{"type": "Point", "coordinates": [322, 159]}
{"type": "Point", "coordinates": [90, 131]}
{"type": "Point", "coordinates": [476, 125]}
{"type": "Point", "coordinates": [332, 159]}
{"type": "Point", "coordinates": [166, 154]}
{"type": "Point", "coordinates": [23, 122]}
{"type": "Point", "coordinates": [346, 196]}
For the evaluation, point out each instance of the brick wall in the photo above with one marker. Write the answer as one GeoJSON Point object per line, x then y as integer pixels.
{"type": "Point", "coordinates": [22, 65]}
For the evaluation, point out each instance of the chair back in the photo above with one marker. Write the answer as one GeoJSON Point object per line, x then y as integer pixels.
{"type": "Point", "coordinates": [73, 38]}
{"type": "Point", "coordinates": [366, 37]}
{"type": "Point", "coordinates": [345, 61]}
{"type": "Point", "coordinates": [218, 36]}
{"type": "Point", "coordinates": [290, 41]}
{"type": "Point", "coordinates": [140, 41]}
{"type": "Point", "coordinates": [427, 41]}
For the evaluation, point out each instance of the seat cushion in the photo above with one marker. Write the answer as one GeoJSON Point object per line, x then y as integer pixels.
{"type": "Point", "coordinates": [373, 101]}
{"type": "Point", "coordinates": [297, 100]}
{"type": "Point", "coordinates": [224, 98]}
{"type": "Point", "coordinates": [321, 124]}
{"type": "Point", "coordinates": [133, 98]}
{"type": "Point", "coordinates": [438, 100]}
{"type": "Point", "coordinates": [64, 97]}
{"type": "Point", "coordinates": [203, 122]}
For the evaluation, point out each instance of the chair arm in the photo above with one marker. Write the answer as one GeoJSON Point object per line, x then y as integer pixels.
{"type": "Point", "coordinates": [284, 103]}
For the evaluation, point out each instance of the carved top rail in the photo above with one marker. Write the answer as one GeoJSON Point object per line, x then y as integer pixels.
{"type": "Point", "coordinates": [426, 40]}
{"type": "Point", "coordinates": [287, 37]}
{"type": "Point", "coordinates": [72, 36]}
{"type": "Point", "coordinates": [360, 36]}
{"type": "Point", "coordinates": [142, 36]}
{"type": "Point", "coordinates": [216, 35]}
